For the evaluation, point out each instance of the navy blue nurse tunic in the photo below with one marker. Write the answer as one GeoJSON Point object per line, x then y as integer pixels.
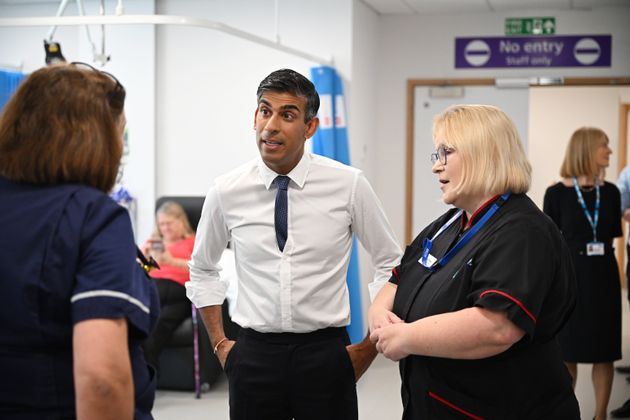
{"type": "Point", "coordinates": [517, 263]}
{"type": "Point", "coordinates": [67, 255]}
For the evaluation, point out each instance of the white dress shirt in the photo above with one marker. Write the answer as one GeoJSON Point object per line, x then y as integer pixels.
{"type": "Point", "coordinates": [303, 288]}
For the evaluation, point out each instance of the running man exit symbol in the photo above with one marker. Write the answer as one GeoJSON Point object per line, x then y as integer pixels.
{"type": "Point", "coordinates": [530, 26]}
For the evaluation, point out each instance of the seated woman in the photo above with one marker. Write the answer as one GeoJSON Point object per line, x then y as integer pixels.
{"type": "Point", "coordinates": [171, 246]}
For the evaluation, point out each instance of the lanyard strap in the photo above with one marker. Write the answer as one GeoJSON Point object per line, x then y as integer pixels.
{"type": "Point", "coordinates": [428, 243]}
{"type": "Point", "coordinates": [595, 218]}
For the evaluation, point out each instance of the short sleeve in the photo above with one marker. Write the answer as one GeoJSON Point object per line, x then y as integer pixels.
{"type": "Point", "coordinates": [513, 274]}
{"type": "Point", "coordinates": [109, 283]}
{"type": "Point", "coordinates": [399, 270]}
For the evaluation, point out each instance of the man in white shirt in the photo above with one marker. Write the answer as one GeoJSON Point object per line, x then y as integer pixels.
{"type": "Point", "coordinates": [290, 217]}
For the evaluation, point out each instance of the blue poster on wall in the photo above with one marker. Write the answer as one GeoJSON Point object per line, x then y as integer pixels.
{"type": "Point", "coordinates": [331, 140]}
{"type": "Point", "coordinates": [9, 81]}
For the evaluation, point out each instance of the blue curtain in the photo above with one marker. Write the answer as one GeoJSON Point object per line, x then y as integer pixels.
{"type": "Point", "coordinates": [331, 140]}
{"type": "Point", "coordinates": [9, 81]}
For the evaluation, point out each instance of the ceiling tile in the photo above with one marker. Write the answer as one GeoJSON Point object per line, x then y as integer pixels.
{"type": "Point", "coordinates": [389, 7]}
{"type": "Point", "coordinates": [594, 4]}
{"type": "Point", "coordinates": [448, 6]}
{"type": "Point", "coordinates": [501, 5]}
{"type": "Point", "coordinates": [386, 7]}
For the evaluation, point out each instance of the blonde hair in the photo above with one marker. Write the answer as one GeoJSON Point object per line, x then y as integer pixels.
{"type": "Point", "coordinates": [493, 158]}
{"type": "Point", "coordinates": [579, 158]}
{"type": "Point", "coordinates": [175, 210]}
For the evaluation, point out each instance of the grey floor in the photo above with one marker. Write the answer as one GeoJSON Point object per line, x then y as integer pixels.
{"type": "Point", "coordinates": [378, 391]}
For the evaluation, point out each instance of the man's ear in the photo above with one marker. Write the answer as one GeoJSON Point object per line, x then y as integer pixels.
{"type": "Point", "coordinates": [311, 127]}
{"type": "Point", "coordinates": [255, 115]}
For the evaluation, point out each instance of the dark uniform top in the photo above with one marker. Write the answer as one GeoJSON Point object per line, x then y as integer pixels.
{"type": "Point", "coordinates": [517, 263]}
{"type": "Point", "coordinates": [593, 332]}
{"type": "Point", "coordinates": [67, 255]}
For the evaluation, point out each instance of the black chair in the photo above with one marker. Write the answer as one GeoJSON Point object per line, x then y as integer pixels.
{"type": "Point", "coordinates": [187, 361]}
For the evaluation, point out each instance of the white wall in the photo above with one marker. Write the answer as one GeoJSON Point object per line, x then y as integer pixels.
{"type": "Point", "coordinates": [423, 47]}
{"type": "Point", "coordinates": [362, 125]}
{"type": "Point", "coordinates": [24, 46]}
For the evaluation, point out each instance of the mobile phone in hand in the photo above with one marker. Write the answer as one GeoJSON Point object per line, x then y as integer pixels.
{"type": "Point", "coordinates": [157, 246]}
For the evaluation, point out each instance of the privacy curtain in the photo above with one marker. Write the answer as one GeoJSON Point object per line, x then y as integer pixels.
{"type": "Point", "coordinates": [9, 81]}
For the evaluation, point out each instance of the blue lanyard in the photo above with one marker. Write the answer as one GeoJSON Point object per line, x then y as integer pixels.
{"type": "Point", "coordinates": [595, 218]}
{"type": "Point", "coordinates": [428, 243]}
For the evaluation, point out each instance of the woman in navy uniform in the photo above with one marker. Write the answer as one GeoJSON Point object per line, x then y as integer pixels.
{"type": "Point", "coordinates": [587, 210]}
{"type": "Point", "coordinates": [75, 305]}
{"type": "Point", "coordinates": [473, 310]}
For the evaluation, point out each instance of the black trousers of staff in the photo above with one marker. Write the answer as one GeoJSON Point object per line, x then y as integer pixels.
{"type": "Point", "coordinates": [284, 376]}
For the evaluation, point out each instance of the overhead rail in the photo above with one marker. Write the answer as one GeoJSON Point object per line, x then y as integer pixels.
{"type": "Point", "coordinates": [159, 20]}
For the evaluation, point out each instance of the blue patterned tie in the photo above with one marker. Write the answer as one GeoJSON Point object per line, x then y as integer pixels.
{"type": "Point", "coordinates": [281, 212]}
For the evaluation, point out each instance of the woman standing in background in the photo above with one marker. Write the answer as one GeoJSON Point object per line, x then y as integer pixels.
{"type": "Point", "coordinates": [587, 210]}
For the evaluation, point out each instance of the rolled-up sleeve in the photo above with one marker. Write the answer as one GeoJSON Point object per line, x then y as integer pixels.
{"type": "Point", "coordinates": [375, 233]}
{"type": "Point", "coordinates": [206, 287]}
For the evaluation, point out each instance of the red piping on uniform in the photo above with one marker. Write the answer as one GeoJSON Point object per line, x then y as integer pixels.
{"type": "Point", "coordinates": [395, 273]}
{"type": "Point", "coordinates": [454, 407]}
{"type": "Point", "coordinates": [513, 299]}
{"type": "Point", "coordinates": [480, 209]}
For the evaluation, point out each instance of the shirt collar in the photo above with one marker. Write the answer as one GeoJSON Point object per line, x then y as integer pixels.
{"type": "Point", "coordinates": [297, 174]}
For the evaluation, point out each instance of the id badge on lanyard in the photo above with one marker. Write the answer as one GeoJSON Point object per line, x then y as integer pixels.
{"type": "Point", "coordinates": [428, 260]}
{"type": "Point", "coordinates": [594, 248]}
{"type": "Point", "coordinates": [432, 263]}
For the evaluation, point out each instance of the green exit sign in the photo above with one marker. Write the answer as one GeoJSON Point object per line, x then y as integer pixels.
{"type": "Point", "coordinates": [530, 26]}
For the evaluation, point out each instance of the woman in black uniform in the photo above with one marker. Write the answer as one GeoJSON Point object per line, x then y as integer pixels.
{"type": "Point", "coordinates": [588, 212]}
{"type": "Point", "coordinates": [473, 309]}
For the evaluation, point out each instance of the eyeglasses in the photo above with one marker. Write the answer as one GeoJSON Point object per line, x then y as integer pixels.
{"type": "Point", "coordinates": [441, 154]}
{"type": "Point", "coordinates": [119, 88]}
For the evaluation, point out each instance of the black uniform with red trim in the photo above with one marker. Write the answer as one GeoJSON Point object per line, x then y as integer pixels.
{"type": "Point", "coordinates": [517, 263]}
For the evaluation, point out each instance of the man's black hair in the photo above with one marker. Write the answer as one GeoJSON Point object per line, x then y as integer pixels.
{"type": "Point", "coordinates": [290, 81]}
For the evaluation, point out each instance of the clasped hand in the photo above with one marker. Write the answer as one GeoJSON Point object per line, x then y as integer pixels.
{"type": "Point", "coordinates": [389, 333]}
